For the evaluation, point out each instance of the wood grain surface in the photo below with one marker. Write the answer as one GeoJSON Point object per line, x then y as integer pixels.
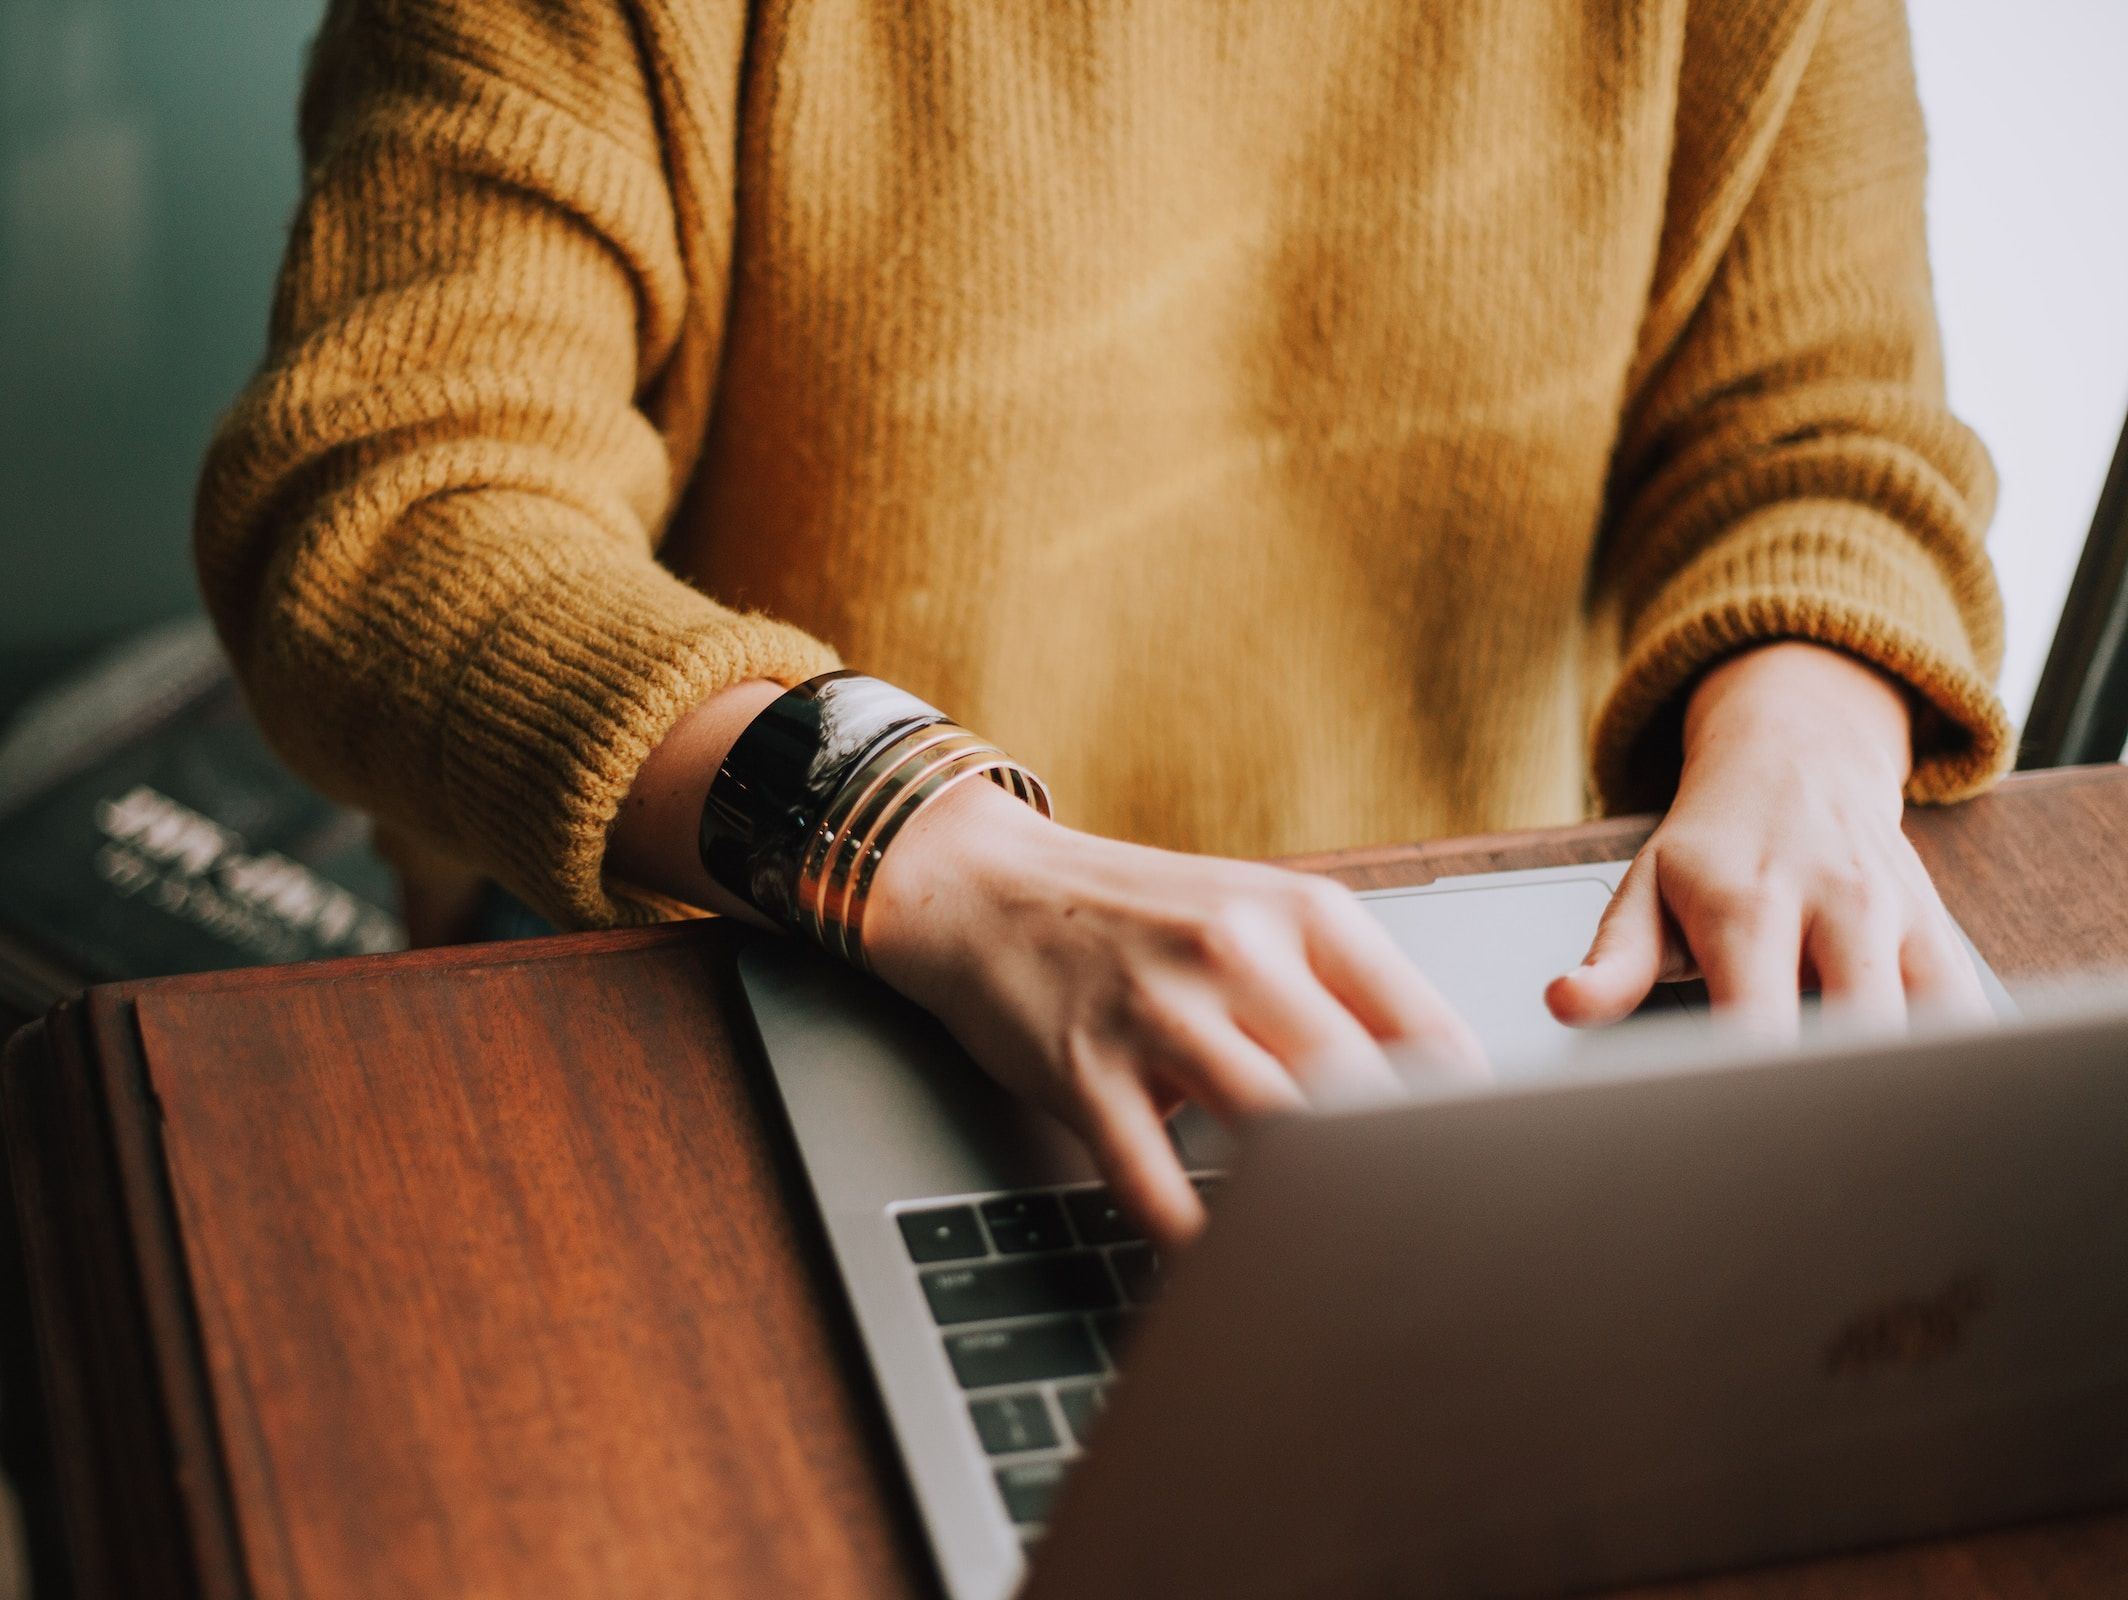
{"type": "Point", "coordinates": [483, 1273]}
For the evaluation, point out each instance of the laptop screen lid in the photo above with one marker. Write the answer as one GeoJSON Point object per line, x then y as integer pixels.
{"type": "Point", "coordinates": [1634, 1324]}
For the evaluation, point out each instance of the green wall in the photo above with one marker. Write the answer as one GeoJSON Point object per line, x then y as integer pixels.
{"type": "Point", "coordinates": [147, 173]}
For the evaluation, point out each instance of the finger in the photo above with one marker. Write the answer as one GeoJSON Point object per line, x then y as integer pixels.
{"type": "Point", "coordinates": [1365, 971]}
{"type": "Point", "coordinates": [1333, 1059]}
{"type": "Point", "coordinates": [1129, 1142]}
{"type": "Point", "coordinates": [1857, 960]}
{"type": "Point", "coordinates": [1940, 977]}
{"type": "Point", "coordinates": [1626, 959]}
{"type": "Point", "coordinates": [1225, 1071]}
{"type": "Point", "coordinates": [1751, 956]}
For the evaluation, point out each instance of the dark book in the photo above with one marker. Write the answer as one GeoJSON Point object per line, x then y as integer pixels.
{"type": "Point", "coordinates": [146, 828]}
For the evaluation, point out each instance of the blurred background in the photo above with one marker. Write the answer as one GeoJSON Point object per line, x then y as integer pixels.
{"type": "Point", "coordinates": [147, 171]}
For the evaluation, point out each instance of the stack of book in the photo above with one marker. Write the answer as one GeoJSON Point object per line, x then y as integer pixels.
{"type": "Point", "coordinates": [146, 828]}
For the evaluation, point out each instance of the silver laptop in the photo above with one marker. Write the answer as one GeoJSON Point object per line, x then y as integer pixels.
{"type": "Point", "coordinates": [1565, 1299]}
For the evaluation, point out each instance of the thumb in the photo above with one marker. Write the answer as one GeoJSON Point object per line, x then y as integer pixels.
{"type": "Point", "coordinates": [1624, 960]}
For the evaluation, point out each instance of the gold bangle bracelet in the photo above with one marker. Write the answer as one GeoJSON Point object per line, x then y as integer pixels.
{"type": "Point", "coordinates": [872, 806]}
{"type": "Point", "coordinates": [856, 794]}
{"type": "Point", "coordinates": [858, 836]}
{"type": "Point", "coordinates": [1000, 769]}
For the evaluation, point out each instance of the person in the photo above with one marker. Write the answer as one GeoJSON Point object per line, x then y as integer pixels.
{"type": "Point", "coordinates": [1280, 427]}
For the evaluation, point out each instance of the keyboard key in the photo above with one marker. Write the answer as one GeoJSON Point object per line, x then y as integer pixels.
{"type": "Point", "coordinates": [1023, 1222]}
{"type": "Point", "coordinates": [1009, 1422]}
{"type": "Point", "coordinates": [1035, 1287]}
{"type": "Point", "coordinates": [948, 1234]}
{"type": "Point", "coordinates": [1138, 1270]}
{"type": "Point", "coordinates": [1029, 1488]}
{"type": "Point", "coordinates": [1081, 1403]}
{"type": "Point", "coordinates": [1026, 1353]}
{"type": "Point", "coordinates": [1113, 1328]}
{"type": "Point", "coordinates": [1099, 1219]}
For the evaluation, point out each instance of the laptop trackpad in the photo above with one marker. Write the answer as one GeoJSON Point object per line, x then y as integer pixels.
{"type": "Point", "coordinates": [1491, 951]}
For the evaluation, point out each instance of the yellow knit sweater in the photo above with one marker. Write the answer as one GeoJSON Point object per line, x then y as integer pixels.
{"type": "Point", "coordinates": [1283, 425]}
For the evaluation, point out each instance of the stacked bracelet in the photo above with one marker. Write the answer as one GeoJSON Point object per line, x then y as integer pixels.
{"type": "Point", "coordinates": [912, 770]}
{"type": "Point", "coordinates": [817, 787]}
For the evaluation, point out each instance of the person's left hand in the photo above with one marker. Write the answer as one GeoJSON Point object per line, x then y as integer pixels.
{"type": "Point", "coordinates": [1781, 864]}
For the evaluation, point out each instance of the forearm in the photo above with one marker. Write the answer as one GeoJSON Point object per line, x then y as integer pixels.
{"type": "Point", "coordinates": [655, 844]}
{"type": "Point", "coordinates": [428, 529]}
{"type": "Point", "coordinates": [1789, 470]}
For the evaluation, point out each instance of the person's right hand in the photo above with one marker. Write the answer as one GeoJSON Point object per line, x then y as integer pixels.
{"type": "Point", "coordinates": [1109, 983]}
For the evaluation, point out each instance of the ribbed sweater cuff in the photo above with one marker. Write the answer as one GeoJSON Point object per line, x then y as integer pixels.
{"type": "Point", "coordinates": [562, 702]}
{"type": "Point", "coordinates": [1833, 573]}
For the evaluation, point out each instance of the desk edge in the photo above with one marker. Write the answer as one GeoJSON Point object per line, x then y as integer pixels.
{"type": "Point", "coordinates": [117, 1337]}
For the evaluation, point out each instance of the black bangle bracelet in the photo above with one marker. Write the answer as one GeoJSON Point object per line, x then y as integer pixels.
{"type": "Point", "coordinates": [781, 774]}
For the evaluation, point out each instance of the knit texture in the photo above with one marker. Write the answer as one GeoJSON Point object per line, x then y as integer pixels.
{"type": "Point", "coordinates": [1282, 426]}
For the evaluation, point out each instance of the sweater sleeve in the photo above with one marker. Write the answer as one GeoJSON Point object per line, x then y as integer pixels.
{"type": "Point", "coordinates": [426, 531]}
{"type": "Point", "coordinates": [1787, 467]}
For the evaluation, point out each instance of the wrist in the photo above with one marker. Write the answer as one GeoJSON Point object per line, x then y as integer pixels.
{"type": "Point", "coordinates": [1801, 696]}
{"type": "Point", "coordinates": [950, 860]}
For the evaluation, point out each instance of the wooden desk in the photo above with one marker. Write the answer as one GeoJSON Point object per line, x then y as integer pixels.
{"type": "Point", "coordinates": [477, 1273]}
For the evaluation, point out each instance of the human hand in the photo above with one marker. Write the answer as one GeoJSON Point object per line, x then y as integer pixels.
{"type": "Point", "coordinates": [1109, 983]}
{"type": "Point", "coordinates": [1781, 862]}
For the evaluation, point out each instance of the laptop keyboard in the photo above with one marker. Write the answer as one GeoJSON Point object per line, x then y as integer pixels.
{"type": "Point", "coordinates": [1033, 1294]}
